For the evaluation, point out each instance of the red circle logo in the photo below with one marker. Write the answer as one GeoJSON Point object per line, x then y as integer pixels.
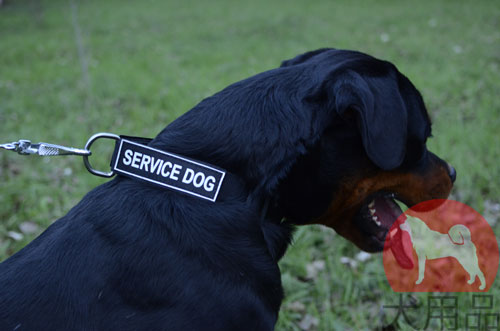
{"type": "Point", "coordinates": [441, 246]}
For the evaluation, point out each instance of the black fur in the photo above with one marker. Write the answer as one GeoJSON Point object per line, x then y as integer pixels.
{"type": "Point", "coordinates": [131, 256]}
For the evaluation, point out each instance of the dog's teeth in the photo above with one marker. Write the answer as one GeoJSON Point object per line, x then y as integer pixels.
{"type": "Point", "coordinates": [371, 205]}
{"type": "Point", "coordinates": [375, 218]}
{"type": "Point", "coordinates": [372, 211]}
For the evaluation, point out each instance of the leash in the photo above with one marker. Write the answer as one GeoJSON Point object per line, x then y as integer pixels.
{"type": "Point", "coordinates": [26, 147]}
{"type": "Point", "coordinates": [133, 158]}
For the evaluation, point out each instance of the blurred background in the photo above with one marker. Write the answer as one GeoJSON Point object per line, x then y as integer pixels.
{"type": "Point", "coordinates": [72, 68]}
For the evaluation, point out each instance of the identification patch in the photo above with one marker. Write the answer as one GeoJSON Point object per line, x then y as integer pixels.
{"type": "Point", "coordinates": [168, 170]}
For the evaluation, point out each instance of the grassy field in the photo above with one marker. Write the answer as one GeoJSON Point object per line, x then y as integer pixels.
{"type": "Point", "coordinates": [71, 68]}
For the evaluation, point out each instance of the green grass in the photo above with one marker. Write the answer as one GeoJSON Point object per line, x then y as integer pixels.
{"type": "Point", "coordinates": [71, 68]}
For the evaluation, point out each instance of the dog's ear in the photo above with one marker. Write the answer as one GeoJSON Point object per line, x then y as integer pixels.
{"type": "Point", "coordinates": [303, 57]}
{"type": "Point", "coordinates": [381, 114]}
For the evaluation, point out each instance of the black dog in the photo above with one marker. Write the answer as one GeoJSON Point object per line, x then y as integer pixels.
{"type": "Point", "coordinates": [317, 140]}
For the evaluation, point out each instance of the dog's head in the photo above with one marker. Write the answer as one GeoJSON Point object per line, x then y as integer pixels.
{"type": "Point", "coordinates": [332, 136]}
{"type": "Point", "coordinates": [370, 151]}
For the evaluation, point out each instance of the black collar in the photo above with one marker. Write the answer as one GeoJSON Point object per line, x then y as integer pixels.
{"type": "Point", "coordinates": [133, 158]}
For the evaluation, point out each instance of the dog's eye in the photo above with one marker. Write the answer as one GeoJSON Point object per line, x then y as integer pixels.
{"type": "Point", "coordinates": [423, 155]}
{"type": "Point", "coordinates": [416, 153]}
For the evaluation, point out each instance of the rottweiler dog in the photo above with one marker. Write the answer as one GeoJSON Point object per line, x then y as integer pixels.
{"type": "Point", "coordinates": [330, 137]}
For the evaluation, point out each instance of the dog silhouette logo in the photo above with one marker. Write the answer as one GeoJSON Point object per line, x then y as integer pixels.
{"type": "Point", "coordinates": [430, 244]}
{"type": "Point", "coordinates": [441, 246]}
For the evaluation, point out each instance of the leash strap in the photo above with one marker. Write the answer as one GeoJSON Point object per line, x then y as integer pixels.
{"type": "Point", "coordinates": [133, 158]}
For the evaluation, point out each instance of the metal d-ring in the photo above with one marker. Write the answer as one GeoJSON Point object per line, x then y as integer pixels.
{"type": "Point", "coordinates": [86, 157]}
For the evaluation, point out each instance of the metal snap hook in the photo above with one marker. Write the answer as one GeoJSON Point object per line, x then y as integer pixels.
{"type": "Point", "coordinates": [101, 135]}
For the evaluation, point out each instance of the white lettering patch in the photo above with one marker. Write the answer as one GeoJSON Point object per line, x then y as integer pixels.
{"type": "Point", "coordinates": [168, 170]}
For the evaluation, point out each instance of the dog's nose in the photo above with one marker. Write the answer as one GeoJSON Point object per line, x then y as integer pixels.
{"type": "Point", "coordinates": [452, 173]}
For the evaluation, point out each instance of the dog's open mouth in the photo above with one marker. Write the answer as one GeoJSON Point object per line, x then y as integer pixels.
{"type": "Point", "coordinates": [377, 215]}
{"type": "Point", "coordinates": [376, 219]}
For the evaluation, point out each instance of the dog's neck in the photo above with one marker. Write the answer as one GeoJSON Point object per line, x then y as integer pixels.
{"type": "Point", "coordinates": [277, 234]}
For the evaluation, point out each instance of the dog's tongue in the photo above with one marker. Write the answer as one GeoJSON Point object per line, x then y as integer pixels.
{"type": "Point", "coordinates": [400, 241]}
{"type": "Point", "coordinates": [401, 246]}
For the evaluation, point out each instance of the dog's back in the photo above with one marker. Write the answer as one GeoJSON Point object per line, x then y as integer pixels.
{"type": "Point", "coordinates": [127, 258]}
